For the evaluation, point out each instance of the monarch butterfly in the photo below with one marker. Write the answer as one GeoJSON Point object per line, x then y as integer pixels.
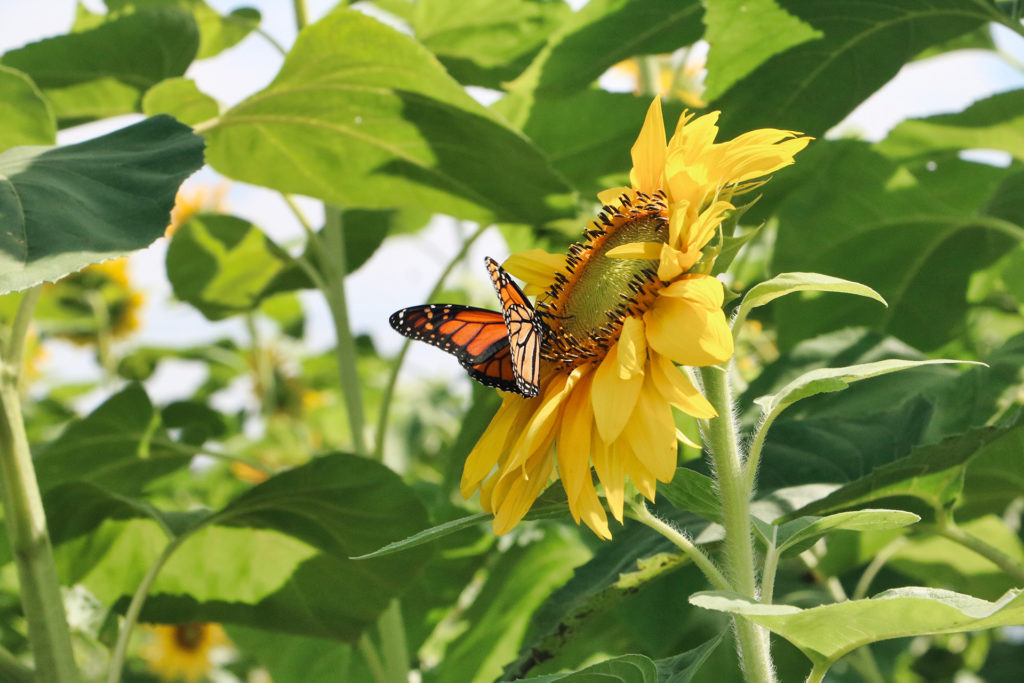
{"type": "Point", "coordinates": [497, 349]}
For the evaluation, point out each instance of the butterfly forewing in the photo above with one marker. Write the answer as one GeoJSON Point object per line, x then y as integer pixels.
{"type": "Point", "coordinates": [470, 334]}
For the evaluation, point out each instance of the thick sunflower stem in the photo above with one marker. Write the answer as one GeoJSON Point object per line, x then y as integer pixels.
{"type": "Point", "coordinates": [26, 521]}
{"type": "Point", "coordinates": [722, 441]}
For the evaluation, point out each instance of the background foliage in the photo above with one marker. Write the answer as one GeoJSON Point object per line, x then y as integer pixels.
{"type": "Point", "coordinates": [253, 512]}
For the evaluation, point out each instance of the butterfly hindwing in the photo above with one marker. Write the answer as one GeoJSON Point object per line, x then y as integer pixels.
{"type": "Point", "coordinates": [470, 334]}
{"type": "Point", "coordinates": [496, 371]}
{"type": "Point", "coordinates": [525, 330]}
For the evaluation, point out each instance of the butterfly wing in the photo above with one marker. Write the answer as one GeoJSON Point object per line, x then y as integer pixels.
{"type": "Point", "coordinates": [470, 334]}
{"type": "Point", "coordinates": [525, 331]}
{"type": "Point", "coordinates": [495, 371]}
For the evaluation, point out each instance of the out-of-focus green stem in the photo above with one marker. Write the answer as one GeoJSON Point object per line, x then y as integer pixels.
{"type": "Point", "coordinates": [13, 670]}
{"type": "Point", "coordinates": [299, 7]}
{"type": "Point", "coordinates": [25, 519]}
{"type": "Point", "coordinates": [389, 388]}
{"type": "Point", "coordinates": [262, 367]}
{"type": "Point", "coordinates": [372, 659]}
{"type": "Point", "coordinates": [946, 527]}
{"type": "Point", "coordinates": [393, 644]}
{"type": "Point", "coordinates": [721, 437]}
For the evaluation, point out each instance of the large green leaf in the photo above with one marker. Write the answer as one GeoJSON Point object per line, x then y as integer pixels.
{"type": "Point", "coordinates": [104, 70]}
{"type": "Point", "coordinates": [25, 116]}
{"type": "Point", "coordinates": [861, 45]}
{"type": "Point", "coordinates": [481, 42]}
{"type": "Point", "coordinates": [180, 98]}
{"type": "Point", "coordinates": [996, 122]}
{"type": "Point", "coordinates": [624, 669]}
{"type": "Point", "coordinates": [745, 33]}
{"type": "Point", "coordinates": [603, 33]}
{"type": "Point", "coordinates": [362, 116]}
{"type": "Point", "coordinates": [275, 558]}
{"type": "Point", "coordinates": [298, 659]}
{"type": "Point", "coordinates": [828, 632]}
{"type": "Point", "coordinates": [66, 207]}
{"type": "Point", "coordinates": [933, 473]}
{"type": "Point", "coordinates": [938, 221]}
{"type": "Point", "coordinates": [225, 265]}
{"type": "Point", "coordinates": [521, 579]}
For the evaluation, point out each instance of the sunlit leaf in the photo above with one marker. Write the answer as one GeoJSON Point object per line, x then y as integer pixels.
{"type": "Point", "coordinates": [361, 116]}
{"type": "Point", "coordinates": [801, 533]}
{"type": "Point", "coordinates": [62, 208]}
{"type": "Point", "coordinates": [122, 57]}
{"type": "Point", "coordinates": [744, 34]}
{"type": "Point", "coordinates": [787, 283]}
{"type": "Point", "coordinates": [225, 265]}
{"type": "Point", "coordinates": [482, 42]}
{"type": "Point", "coordinates": [25, 117]}
{"type": "Point", "coordinates": [996, 122]}
{"type": "Point", "coordinates": [796, 89]}
{"type": "Point", "coordinates": [180, 98]}
{"type": "Point", "coordinates": [828, 632]}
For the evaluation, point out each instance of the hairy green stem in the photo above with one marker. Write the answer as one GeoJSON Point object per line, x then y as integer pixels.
{"type": "Point", "coordinates": [771, 566]}
{"type": "Point", "coordinates": [389, 388]}
{"type": "Point", "coordinates": [642, 514]}
{"type": "Point", "coordinates": [131, 616]}
{"type": "Point", "coordinates": [721, 438]}
{"type": "Point", "coordinates": [25, 519]}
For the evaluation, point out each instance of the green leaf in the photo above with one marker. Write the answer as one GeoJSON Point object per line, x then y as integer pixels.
{"type": "Point", "coordinates": [942, 563]}
{"type": "Point", "coordinates": [225, 265]}
{"type": "Point", "coordinates": [180, 98]}
{"type": "Point", "coordinates": [796, 536]}
{"type": "Point", "coordinates": [744, 34]}
{"type": "Point", "coordinates": [120, 446]}
{"type": "Point", "coordinates": [484, 43]}
{"type": "Point", "coordinates": [933, 473]}
{"type": "Point", "coordinates": [787, 283]}
{"type": "Point", "coordinates": [683, 667]}
{"type": "Point", "coordinates": [693, 491]}
{"type": "Point", "coordinates": [521, 579]}
{"type": "Point", "coordinates": [996, 122]}
{"type": "Point", "coordinates": [122, 58]}
{"type": "Point", "coordinates": [382, 125]}
{"type": "Point", "coordinates": [624, 669]}
{"type": "Point", "coordinates": [828, 632]}
{"type": "Point", "coordinates": [25, 116]}
{"type": "Point", "coordinates": [940, 220]}
{"type": "Point", "coordinates": [826, 380]}
{"type": "Point", "coordinates": [66, 207]}
{"type": "Point", "coordinates": [301, 525]}
{"type": "Point", "coordinates": [296, 659]}
{"type": "Point", "coordinates": [796, 89]}
{"type": "Point", "coordinates": [603, 33]}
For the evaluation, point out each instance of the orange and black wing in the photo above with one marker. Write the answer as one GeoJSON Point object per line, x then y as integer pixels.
{"type": "Point", "coordinates": [525, 331]}
{"type": "Point", "coordinates": [496, 371]}
{"type": "Point", "coordinates": [470, 334]}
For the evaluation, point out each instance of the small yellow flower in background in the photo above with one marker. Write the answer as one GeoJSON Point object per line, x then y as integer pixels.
{"type": "Point", "coordinates": [182, 652]}
{"type": "Point", "coordinates": [194, 200]}
{"type": "Point", "coordinates": [621, 310]}
{"type": "Point", "coordinates": [98, 294]}
{"type": "Point", "coordinates": [679, 76]}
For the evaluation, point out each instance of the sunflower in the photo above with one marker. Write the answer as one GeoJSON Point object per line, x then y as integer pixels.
{"type": "Point", "coordinates": [100, 294]}
{"type": "Point", "coordinates": [622, 309]}
{"type": "Point", "coordinates": [182, 651]}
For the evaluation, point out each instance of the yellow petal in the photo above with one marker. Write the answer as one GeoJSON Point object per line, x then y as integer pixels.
{"type": "Point", "coordinates": [535, 267]}
{"type": "Point", "coordinates": [542, 422]}
{"type": "Point", "coordinates": [651, 433]}
{"type": "Point", "coordinates": [612, 474]}
{"type": "Point", "coordinates": [520, 494]}
{"type": "Point", "coordinates": [592, 512]}
{"type": "Point", "coordinates": [612, 397]}
{"type": "Point", "coordinates": [685, 326]}
{"type": "Point", "coordinates": [676, 389]}
{"type": "Point", "coordinates": [641, 477]}
{"type": "Point", "coordinates": [573, 447]}
{"type": "Point", "coordinates": [706, 225]}
{"type": "Point", "coordinates": [610, 197]}
{"type": "Point", "coordinates": [644, 250]}
{"type": "Point", "coordinates": [673, 262]}
{"type": "Point", "coordinates": [648, 151]}
{"type": "Point", "coordinates": [678, 219]}
{"type": "Point", "coordinates": [492, 443]}
{"type": "Point", "coordinates": [632, 348]}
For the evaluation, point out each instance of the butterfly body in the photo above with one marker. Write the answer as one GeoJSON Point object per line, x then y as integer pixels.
{"type": "Point", "coordinates": [497, 349]}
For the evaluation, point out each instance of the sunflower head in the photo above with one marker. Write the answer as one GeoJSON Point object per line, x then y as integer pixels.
{"type": "Point", "coordinates": [182, 652]}
{"type": "Point", "coordinates": [622, 310]}
{"type": "Point", "coordinates": [100, 294]}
